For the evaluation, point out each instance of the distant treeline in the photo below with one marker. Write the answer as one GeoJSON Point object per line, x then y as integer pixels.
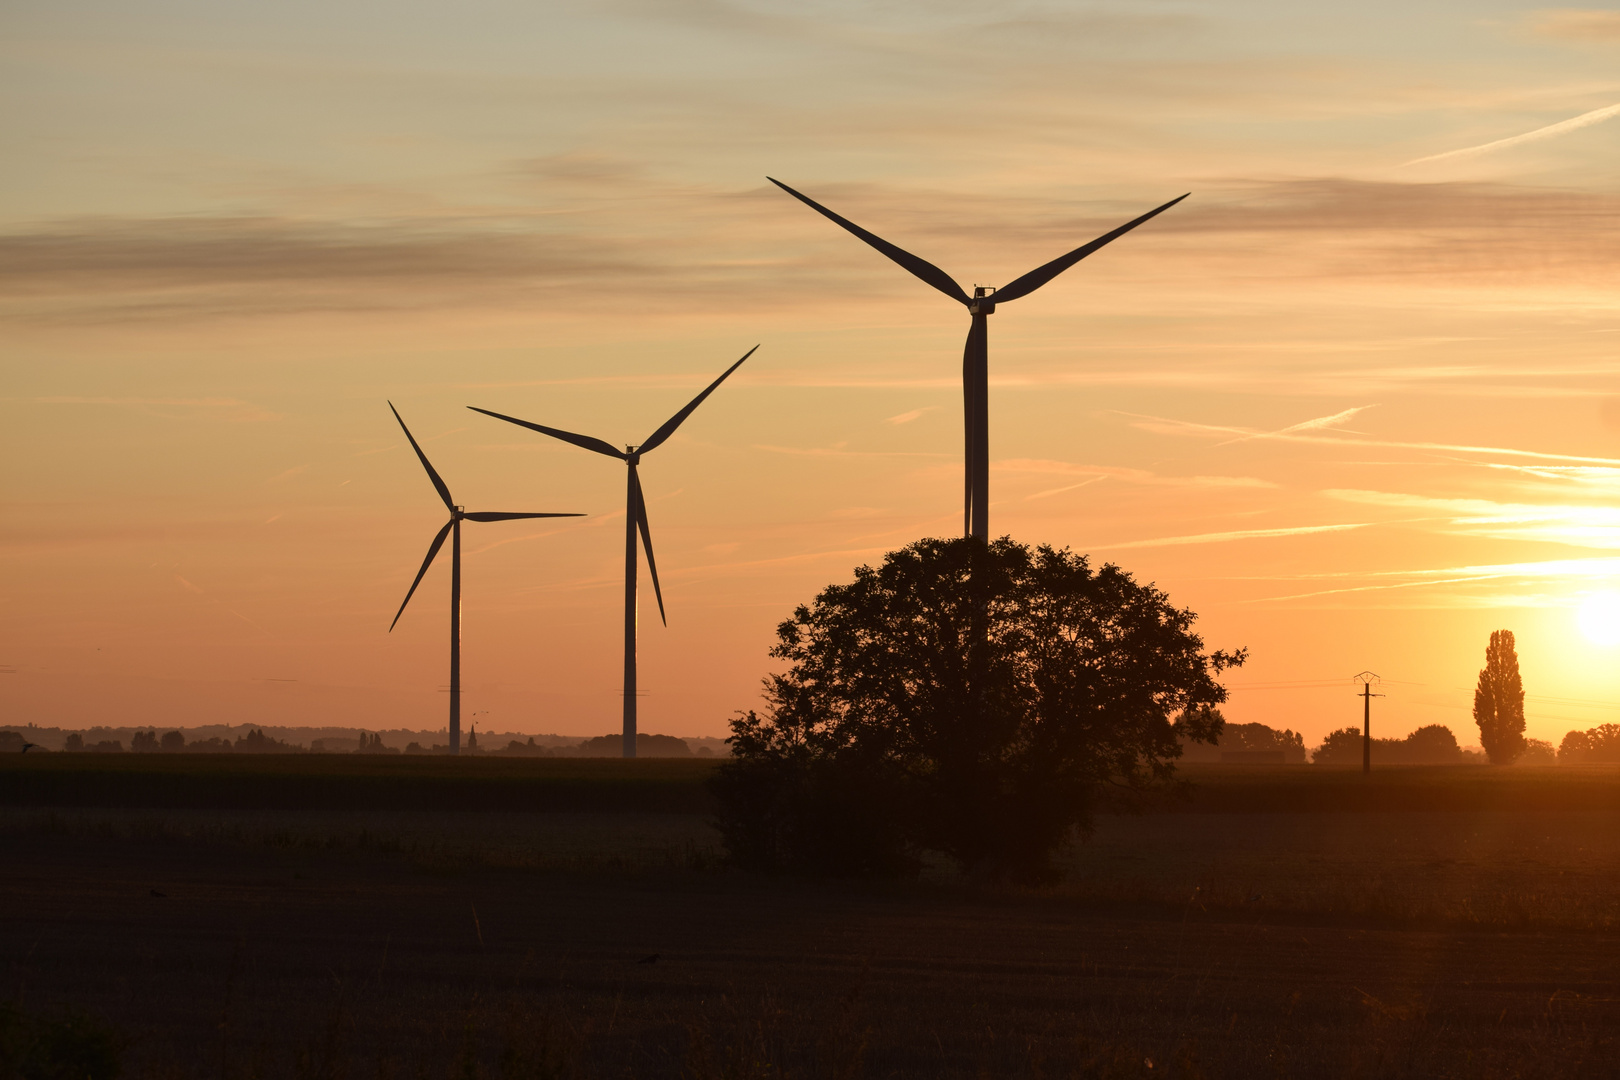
{"type": "Point", "coordinates": [1594, 746]}
{"type": "Point", "coordinates": [1240, 743]}
{"type": "Point", "coordinates": [253, 740]}
{"type": "Point", "coordinates": [1434, 744]}
{"type": "Point", "coordinates": [1254, 743]}
{"type": "Point", "coordinates": [1431, 745]}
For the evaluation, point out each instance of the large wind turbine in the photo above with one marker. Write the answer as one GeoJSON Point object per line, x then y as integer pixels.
{"type": "Point", "coordinates": [635, 513]}
{"type": "Point", "coordinates": [453, 529]}
{"type": "Point", "coordinates": [975, 354]}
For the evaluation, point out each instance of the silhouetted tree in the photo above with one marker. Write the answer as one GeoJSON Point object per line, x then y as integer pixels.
{"type": "Point", "coordinates": [1249, 737]}
{"type": "Point", "coordinates": [144, 742]}
{"type": "Point", "coordinates": [1432, 744]}
{"type": "Point", "coordinates": [1499, 701]}
{"type": "Point", "coordinates": [646, 746]}
{"type": "Point", "coordinates": [74, 743]}
{"type": "Point", "coordinates": [890, 732]}
{"type": "Point", "coordinates": [1594, 746]}
{"type": "Point", "coordinates": [257, 742]}
{"type": "Point", "coordinates": [172, 741]}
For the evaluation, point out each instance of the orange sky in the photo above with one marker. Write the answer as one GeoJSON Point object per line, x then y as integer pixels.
{"type": "Point", "coordinates": [1355, 412]}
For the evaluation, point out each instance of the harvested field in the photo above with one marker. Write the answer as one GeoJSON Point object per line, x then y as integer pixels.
{"type": "Point", "coordinates": [1282, 942]}
{"type": "Point", "coordinates": [353, 782]}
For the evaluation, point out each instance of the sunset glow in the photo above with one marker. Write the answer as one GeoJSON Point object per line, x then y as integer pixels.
{"type": "Point", "coordinates": [1356, 401]}
{"type": "Point", "coordinates": [1600, 619]}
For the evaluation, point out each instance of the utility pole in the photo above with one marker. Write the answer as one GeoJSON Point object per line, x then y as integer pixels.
{"type": "Point", "coordinates": [1366, 679]}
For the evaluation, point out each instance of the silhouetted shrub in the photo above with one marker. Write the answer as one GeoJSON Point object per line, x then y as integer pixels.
{"type": "Point", "coordinates": [257, 742]}
{"type": "Point", "coordinates": [373, 744]}
{"type": "Point", "coordinates": [1538, 752]}
{"type": "Point", "coordinates": [12, 742]}
{"type": "Point", "coordinates": [1433, 744]}
{"type": "Point", "coordinates": [787, 808]}
{"type": "Point", "coordinates": [646, 746]}
{"type": "Point", "coordinates": [893, 731]}
{"type": "Point", "coordinates": [528, 749]}
{"type": "Point", "coordinates": [1594, 746]}
{"type": "Point", "coordinates": [1248, 738]}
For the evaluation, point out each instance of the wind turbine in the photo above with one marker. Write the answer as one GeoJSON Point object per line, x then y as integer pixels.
{"type": "Point", "coordinates": [635, 514]}
{"type": "Point", "coordinates": [975, 354]}
{"type": "Point", "coordinates": [453, 529]}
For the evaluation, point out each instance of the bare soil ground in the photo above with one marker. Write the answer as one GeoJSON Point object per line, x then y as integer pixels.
{"type": "Point", "coordinates": [276, 942]}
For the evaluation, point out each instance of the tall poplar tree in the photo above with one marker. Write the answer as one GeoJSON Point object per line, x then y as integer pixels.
{"type": "Point", "coordinates": [1499, 701]}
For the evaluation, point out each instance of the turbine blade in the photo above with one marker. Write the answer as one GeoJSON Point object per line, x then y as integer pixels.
{"type": "Point", "coordinates": [656, 439]}
{"type": "Point", "coordinates": [646, 542]}
{"type": "Point", "coordinates": [557, 433]}
{"type": "Point", "coordinates": [493, 515]}
{"type": "Point", "coordinates": [444, 492]}
{"type": "Point", "coordinates": [1041, 275]}
{"type": "Point", "coordinates": [433, 549]}
{"type": "Point", "coordinates": [922, 268]}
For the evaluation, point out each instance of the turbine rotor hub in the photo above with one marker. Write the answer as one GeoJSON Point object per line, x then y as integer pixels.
{"type": "Point", "coordinates": [983, 302]}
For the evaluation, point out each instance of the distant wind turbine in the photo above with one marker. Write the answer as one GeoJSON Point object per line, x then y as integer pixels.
{"type": "Point", "coordinates": [453, 529]}
{"type": "Point", "coordinates": [975, 355]}
{"type": "Point", "coordinates": [635, 512]}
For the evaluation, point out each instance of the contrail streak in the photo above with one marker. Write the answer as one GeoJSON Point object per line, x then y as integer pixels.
{"type": "Point", "coordinates": [1308, 425]}
{"type": "Point", "coordinates": [1574, 123]}
{"type": "Point", "coordinates": [1165, 425]}
{"type": "Point", "coordinates": [1241, 534]}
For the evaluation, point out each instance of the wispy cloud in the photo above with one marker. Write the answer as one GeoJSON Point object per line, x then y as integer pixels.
{"type": "Point", "coordinates": [1317, 424]}
{"type": "Point", "coordinates": [832, 451]}
{"type": "Point", "coordinates": [908, 417]}
{"type": "Point", "coordinates": [1166, 426]}
{"type": "Point", "coordinates": [1563, 127]}
{"type": "Point", "coordinates": [229, 408]}
{"type": "Point", "coordinates": [1239, 534]}
{"type": "Point", "coordinates": [1584, 526]}
{"type": "Point", "coordinates": [1599, 569]}
{"type": "Point", "coordinates": [200, 591]}
{"type": "Point", "coordinates": [1066, 487]}
{"type": "Point", "coordinates": [1577, 24]}
{"type": "Point", "coordinates": [1134, 476]}
{"type": "Point", "coordinates": [207, 403]}
{"type": "Point", "coordinates": [676, 243]}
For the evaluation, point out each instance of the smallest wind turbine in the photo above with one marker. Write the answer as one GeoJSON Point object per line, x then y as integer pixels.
{"type": "Point", "coordinates": [451, 528]}
{"type": "Point", "coordinates": [635, 517]}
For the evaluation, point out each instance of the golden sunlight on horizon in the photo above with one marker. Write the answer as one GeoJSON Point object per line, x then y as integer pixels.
{"type": "Point", "coordinates": [1356, 401]}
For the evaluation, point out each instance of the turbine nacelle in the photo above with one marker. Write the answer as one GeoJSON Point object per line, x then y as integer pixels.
{"type": "Point", "coordinates": [975, 353]}
{"type": "Point", "coordinates": [636, 524]}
